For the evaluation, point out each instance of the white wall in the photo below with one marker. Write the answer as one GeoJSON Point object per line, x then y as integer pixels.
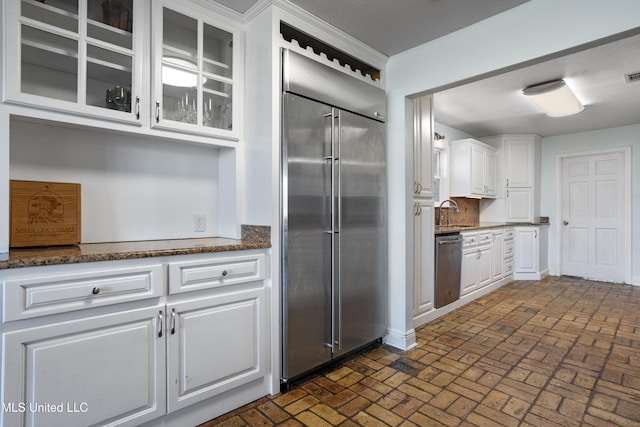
{"type": "Point", "coordinates": [133, 188]}
{"type": "Point", "coordinates": [452, 134]}
{"type": "Point", "coordinates": [627, 136]}
{"type": "Point", "coordinates": [526, 32]}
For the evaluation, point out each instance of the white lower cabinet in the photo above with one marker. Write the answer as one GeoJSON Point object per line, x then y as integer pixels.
{"type": "Point", "coordinates": [497, 255]}
{"type": "Point", "coordinates": [100, 370]}
{"type": "Point", "coordinates": [470, 270]}
{"type": "Point", "coordinates": [214, 344]}
{"type": "Point", "coordinates": [484, 261]}
{"type": "Point", "coordinates": [468, 280]}
{"type": "Point", "coordinates": [423, 263]}
{"type": "Point", "coordinates": [508, 251]}
{"type": "Point", "coordinates": [485, 258]}
{"type": "Point", "coordinates": [122, 362]}
{"type": "Point", "coordinates": [530, 259]}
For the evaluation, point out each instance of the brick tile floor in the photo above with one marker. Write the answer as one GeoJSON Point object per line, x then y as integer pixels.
{"type": "Point", "coordinates": [559, 352]}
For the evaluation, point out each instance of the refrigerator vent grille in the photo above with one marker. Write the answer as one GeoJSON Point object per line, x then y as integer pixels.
{"type": "Point", "coordinates": [632, 77]}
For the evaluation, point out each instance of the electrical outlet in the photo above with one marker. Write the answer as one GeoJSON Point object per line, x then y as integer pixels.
{"type": "Point", "coordinates": [199, 222]}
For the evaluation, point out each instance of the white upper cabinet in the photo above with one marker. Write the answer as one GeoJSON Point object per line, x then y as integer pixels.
{"type": "Point", "coordinates": [423, 147]}
{"type": "Point", "coordinates": [93, 59]}
{"type": "Point", "coordinates": [195, 72]}
{"type": "Point", "coordinates": [81, 56]}
{"type": "Point", "coordinates": [519, 161]}
{"type": "Point", "coordinates": [473, 169]}
{"type": "Point", "coordinates": [517, 176]}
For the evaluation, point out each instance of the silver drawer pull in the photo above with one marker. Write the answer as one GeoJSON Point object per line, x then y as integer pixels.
{"type": "Point", "coordinates": [224, 273]}
{"type": "Point", "coordinates": [160, 324]}
{"type": "Point", "coordinates": [96, 291]}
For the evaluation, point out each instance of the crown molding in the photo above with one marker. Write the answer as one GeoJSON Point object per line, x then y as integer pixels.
{"type": "Point", "coordinates": [220, 10]}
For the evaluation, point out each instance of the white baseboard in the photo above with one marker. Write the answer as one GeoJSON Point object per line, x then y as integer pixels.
{"type": "Point", "coordinates": [531, 276]}
{"type": "Point", "coordinates": [403, 341]}
{"type": "Point", "coordinates": [433, 314]}
{"type": "Point", "coordinates": [635, 281]}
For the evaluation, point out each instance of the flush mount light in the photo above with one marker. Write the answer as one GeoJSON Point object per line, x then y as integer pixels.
{"type": "Point", "coordinates": [555, 98]}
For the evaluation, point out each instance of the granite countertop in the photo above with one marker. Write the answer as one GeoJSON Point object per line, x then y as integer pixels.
{"type": "Point", "coordinates": [448, 229]}
{"type": "Point", "coordinates": [255, 237]}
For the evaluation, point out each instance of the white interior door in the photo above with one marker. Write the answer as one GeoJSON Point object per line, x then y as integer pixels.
{"type": "Point", "coordinates": [593, 216]}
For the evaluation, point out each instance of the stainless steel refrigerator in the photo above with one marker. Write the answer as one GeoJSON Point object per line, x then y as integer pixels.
{"type": "Point", "coordinates": [334, 215]}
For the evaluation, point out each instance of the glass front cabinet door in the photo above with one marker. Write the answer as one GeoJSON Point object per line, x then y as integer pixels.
{"type": "Point", "coordinates": [82, 56]}
{"type": "Point", "coordinates": [194, 73]}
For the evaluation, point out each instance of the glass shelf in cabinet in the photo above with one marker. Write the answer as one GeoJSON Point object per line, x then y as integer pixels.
{"type": "Point", "coordinates": [109, 58]}
{"type": "Point", "coordinates": [59, 14]}
{"type": "Point", "coordinates": [180, 34]}
{"type": "Point", "coordinates": [108, 34]}
{"type": "Point", "coordinates": [48, 41]}
{"type": "Point", "coordinates": [217, 87]}
{"type": "Point", "coordinates": [216, 68]}
{"type": "Point", "coordinates": [49, 74]}
{"type": "Point", "coordinates": [218, 50]}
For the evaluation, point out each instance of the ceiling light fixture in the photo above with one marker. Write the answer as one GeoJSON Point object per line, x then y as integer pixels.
{"type": "Point", "coordinates": [179, 72]}
{"type": "Point", "coordinates": [555, 98]}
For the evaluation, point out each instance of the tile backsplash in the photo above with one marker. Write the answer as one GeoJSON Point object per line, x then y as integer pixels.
{"type": "Point", "coordinates": [469, 212]}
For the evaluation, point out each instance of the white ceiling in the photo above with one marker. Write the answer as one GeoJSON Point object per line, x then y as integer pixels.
{"type": "Point", "coordinates": [496, 105]}
{"type": "Point", "coordinates": [492, 105]}
{"type": "Point", "coordinates": [395, 26]}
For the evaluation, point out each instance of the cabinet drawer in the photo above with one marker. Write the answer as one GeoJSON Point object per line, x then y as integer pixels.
{"type": "Point", "coordinates": [45, 294]}
{"type": "Point", "coordinates": [485, 238]}
{"type": "Point", "coordinates": [214, 272]}
{"type": "Point", "coordinates": [469, 239]}
{"type": "Point", "coordinates": [508, 249]}
{"type": "Point", "coordinates": [508, 267]}
{"type": "Point", "coordinates": [508, 234]}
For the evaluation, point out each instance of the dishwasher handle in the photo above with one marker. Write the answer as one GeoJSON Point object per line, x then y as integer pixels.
{"type": "Point", "coordinates": [449, 242]}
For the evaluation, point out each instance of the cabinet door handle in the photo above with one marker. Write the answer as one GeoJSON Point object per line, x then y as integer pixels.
{"type": "Point", "coordinates": [137, 108]}
{"type": "Point", "coordinates": [507, 182]}
{"type": "Point", "coordinates": [507, 192]}
{"type": "Point", "coordinates": [160, 318]}
{"type": "Point", "coordinates": [173, 321]}
{"type": "Point", "coordinates": [419, 187]}
{"type": "Point", "coordinates": [224, 273]}
{"type": "Point", "coordinates": [95, 291]}
{"type": "Point", "coordinates": [157, 111]}
{"type": "Point", "coordinates": [535, 234]}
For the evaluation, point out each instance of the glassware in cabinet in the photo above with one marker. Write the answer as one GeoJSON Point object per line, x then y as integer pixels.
{"type": "Point", "coordinates": [194, 75]}
{"type": "Point", "coordinates": [75, 51]}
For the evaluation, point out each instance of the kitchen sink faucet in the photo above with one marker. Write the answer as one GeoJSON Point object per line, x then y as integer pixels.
{"type": "Point", "coordinates": [455, 209]}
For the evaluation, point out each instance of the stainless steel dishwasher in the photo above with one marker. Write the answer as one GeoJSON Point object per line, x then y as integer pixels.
{"type": "Point", "coordinates": [448, 264]}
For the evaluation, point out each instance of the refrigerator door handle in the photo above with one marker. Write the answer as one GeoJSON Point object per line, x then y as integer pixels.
{"type": "Point", "coordinates": [338, 190]}
{"type": "Point", "coordinates": [334, 230]}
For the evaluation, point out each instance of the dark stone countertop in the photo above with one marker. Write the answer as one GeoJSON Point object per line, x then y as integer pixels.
{"type": "Point", "coordinates": [449, 229]}
{"type": "Point", "coordinates": [253, 237]}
